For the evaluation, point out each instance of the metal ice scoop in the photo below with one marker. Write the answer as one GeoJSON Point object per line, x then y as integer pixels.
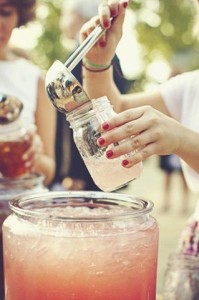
{"type": "Point", "coordinates": [63, 89]}
{"type": "Point", "coordinates": [10, 109]}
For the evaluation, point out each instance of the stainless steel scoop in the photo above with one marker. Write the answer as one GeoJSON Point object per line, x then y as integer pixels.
{"type": "Point", "coordinates": [10, 109]}
{"type": "Point", "coordinates": [63, 89]}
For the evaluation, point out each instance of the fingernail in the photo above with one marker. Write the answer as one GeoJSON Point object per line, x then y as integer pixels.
{"type": "Point", "coordinates": [106, 23]}
{"type": "Point", "coordinates": [109, 153]}
{"type": "Point", "coordinates": [101, 141]}
{"type": "Point", "coordinates": [125, 4]}
{"type": "Point", "coordinates": [102, 44]}
{"type": "Point", "coordinates": [113, 13]}
{"type": "Point", "coordinates": [105, 126]}
{"type": "Point", "coordinates": [125, 162]}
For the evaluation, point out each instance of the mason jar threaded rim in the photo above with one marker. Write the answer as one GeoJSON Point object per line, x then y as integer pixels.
{"type": "Point", "coordinates": [133, 207]}
{"type": "Point", "coordinates": [183, 261]}
{"type": "Point", "coordinates": [11, 187]}
{"type": "Point", "coordinates": [87, 110]}
{"type": "Point", "coordinates": [27, 178]}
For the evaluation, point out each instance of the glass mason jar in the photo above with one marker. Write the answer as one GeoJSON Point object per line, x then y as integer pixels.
{"type": "Point", "coordinates": [182, 278]}
{"type": "Point", "coordinates": [15, 139]}
{"type": "Point", "coordinates": [10, 188]}
{"type": "Point", "coordinates": [86, 120]}
{"type": "Point", "coordinates": [80, 245]}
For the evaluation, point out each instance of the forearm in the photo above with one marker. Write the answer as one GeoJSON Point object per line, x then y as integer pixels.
{"type": "Point", "coordinates": [189, 148]}
{"type": "Point", "coordinates": [101, 84]}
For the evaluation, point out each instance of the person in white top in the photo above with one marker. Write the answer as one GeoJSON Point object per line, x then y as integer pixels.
{"type": "Point", "coordinates": [161, 122]}
{"type": "Point", "coordinates": [21, 79]}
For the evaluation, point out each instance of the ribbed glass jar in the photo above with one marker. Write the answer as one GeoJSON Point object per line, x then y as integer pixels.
{"type": "Point", "coordinates": [182, 278]}
{"type": "Point", "coordinates": [86, 121]}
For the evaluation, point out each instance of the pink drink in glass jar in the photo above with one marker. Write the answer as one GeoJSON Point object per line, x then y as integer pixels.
{"type": "Point", "coordinates": [82, 246]}
{"type": "Point", "coordinates": [108, 174]}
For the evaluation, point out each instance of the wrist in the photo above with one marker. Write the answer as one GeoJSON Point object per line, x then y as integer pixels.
{"type": "Point", "coordinates": [95, 67]}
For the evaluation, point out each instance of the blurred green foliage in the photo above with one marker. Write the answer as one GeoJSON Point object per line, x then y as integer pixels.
{"type": "Point", "coordinates": [164, 29]}
{"type": "Point", "coordinates": [49, 46]}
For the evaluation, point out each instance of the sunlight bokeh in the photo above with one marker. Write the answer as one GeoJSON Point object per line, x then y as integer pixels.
{"type": "Point", "coordinates": [128, 50]}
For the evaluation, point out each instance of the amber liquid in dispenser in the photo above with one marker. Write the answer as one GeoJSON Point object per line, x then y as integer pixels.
{"type": "Point", "coordinates": [86, 121]}
{"type": "Point", "coordinates": [15, 137]}
{"type": "Point", "coordinates": [11, 162]}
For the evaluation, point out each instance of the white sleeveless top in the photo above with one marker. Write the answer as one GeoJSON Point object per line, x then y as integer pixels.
{"type": "Point", "coordinates": [181, 97]}
{"type": "Point", "coordinates": [19, 78]}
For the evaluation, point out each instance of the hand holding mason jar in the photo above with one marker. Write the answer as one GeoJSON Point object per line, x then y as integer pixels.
{"type": "Point", "coordinates": [86, 122]}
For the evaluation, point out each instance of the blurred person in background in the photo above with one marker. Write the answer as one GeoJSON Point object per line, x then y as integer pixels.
{"type": "Point", "coordinates": [71, 172]}
{"type": "Point", "coordinates": [170, 165]}
{"type": "Point", "coordinates": [23, 80]}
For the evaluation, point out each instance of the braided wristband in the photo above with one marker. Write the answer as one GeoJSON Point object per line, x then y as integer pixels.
{"type": "Point", "coordinates": [93, 67]}
{"type": "Point", "coordinates": [92, 64]}
{"type": "Point", "coordinates": [96, 70]}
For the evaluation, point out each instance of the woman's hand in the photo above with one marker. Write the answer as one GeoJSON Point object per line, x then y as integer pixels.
{"type": "Point", "coordinates": [35, 160]}
{"type": "Point", "coordinates": [33, 153]}
{"type": "Point", "coordinates": [104, 50]}
{"type": "Point", "coordinates": [143, 131]}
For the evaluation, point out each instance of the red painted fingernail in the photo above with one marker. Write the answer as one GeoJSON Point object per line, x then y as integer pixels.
{"type": "Point", "coordinates": [125, 4]}
{"type": "Point", "coordinates": [106, 23]}
{"type": "Point", "coordinates": [102, 44]}
{"type": "Point", "coordinates": [109, 153]}
{"type": "Point", "coordinates": [113, 13]}
{"type": "Point", "coordinates": [101, 141]}
{"type": "Point", "coordinates": [125, 162]}
{"type": "Point", "coordinates": [105, 126]}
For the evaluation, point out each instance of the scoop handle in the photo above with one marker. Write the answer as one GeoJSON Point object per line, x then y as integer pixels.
{"type": "Point", "coordinates": [87, 44]}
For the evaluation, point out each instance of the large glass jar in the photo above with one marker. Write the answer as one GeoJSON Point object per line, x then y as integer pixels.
{"type": "Point", "coordinates": [182, 278]}
{"type": "Point", "coordinates": [86, 120]}
{"type": "Point", "coordinates": [80, 246]}
{"type": "Point", "coordinates": [10, 188]}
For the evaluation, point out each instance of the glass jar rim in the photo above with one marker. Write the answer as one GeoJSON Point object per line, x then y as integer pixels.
{"type": "Point", "coordinates": [134, 206]}
{"type": "Point", "coordinates": [28, 177]}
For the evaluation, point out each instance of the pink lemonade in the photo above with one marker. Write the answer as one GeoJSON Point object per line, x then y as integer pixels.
{"type": "Point", "coordinates": [109, 174]}
{"type": "Point", "coordinates": [111, 259]}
